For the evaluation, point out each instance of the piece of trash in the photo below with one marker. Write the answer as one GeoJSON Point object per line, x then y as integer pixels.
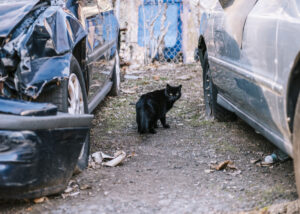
{"type": "Point", "coordinates": [131, 77]}
{"type": "Point", "coordinates": [74, 194]}
{"type": "Point", "coordinates": [68, 190]}
{"type": "Point", "coordinates": [184, 77]}
{"type": "Point", "coordinates": [106, 157]}
{"type": "Point", "coordinates": [118, 158]}
{"type": "Point", "coordinates": [72, 186]}
{"type": "Point", "coordinates": [40, 200]}
{"type": "Point", "coordinates": [271, 159]}
{"type": "Point", "coordinates": [282, 156]}
{"type": "Point", "coordinates": [156, 77]}
{"type": "Point", "coordinates": [225, 164]}
{"type": "Point", "coordinates": [29, 209]}
{"type": "Point", "coordinates": [91, 164]}
{"type": "Point", "coordinates": [65, 195]}
{"type": "Point", "coordinates": [264, 164]}
{"type": "Point", "coordinates": [97, 157]}
{"type": "Point", "coordinates": [254, 161]}
{"type": "Point", "coordinates": [277, 156]}
{"type": "Point", "coordinates": [85, 186]}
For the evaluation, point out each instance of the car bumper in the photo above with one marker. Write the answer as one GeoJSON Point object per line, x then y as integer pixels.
{"type": "Point", "coordinates": [38, 154]}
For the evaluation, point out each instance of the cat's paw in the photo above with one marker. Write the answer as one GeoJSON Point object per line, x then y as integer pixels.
{"type": "Point", "coordinates": [152, 131]}
{"type": "Point", "coordinates": [166, 126]}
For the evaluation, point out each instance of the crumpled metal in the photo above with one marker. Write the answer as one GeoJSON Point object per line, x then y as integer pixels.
{"type": "Point", "coordinates": [40, 49]}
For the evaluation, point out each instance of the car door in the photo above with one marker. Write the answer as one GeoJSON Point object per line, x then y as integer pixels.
{"type": "Point", "coordinates": [246, 62]}
{"type": "Point", "coordinates": [110, 37]}
{"type": "Point", "coordinates": [93, 22]}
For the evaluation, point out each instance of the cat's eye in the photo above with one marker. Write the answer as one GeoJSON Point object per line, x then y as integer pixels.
{"type": "Point", "coordinates": [171, 94]}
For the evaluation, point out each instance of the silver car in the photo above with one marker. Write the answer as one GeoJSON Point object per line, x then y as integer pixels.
{"type": "Point", "coordinates": [250, 55]}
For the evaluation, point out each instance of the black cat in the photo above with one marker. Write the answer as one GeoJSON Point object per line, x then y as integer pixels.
{"type": "Point", "coordinates": [154, 106]}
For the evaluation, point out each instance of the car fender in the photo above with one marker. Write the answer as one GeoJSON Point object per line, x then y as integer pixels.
{"type": "Point", "coordinates": [45, 50]}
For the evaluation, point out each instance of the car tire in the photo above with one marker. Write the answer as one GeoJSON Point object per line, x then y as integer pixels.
{"type": "Point", "coordinates": [61, 96]}
{"type": "Point", "coordinates": [296, 144]}
{"type": "Point", "coordinates": [212, 109]}
{"type": "Point", "coordinates": [115, 89]}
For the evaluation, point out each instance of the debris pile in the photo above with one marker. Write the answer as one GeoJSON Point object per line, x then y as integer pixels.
{"type": "Point", "coordinates": [225, 166]}
{"type": "Point", "coordinates": [100, 159]}
{"type": "Point", "coordinates": [74, 188]}
{"type": "Point", "coordinates": [276, 157]}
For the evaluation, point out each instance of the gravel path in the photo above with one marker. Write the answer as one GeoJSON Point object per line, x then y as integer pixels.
{"type": "Point", "coordinates": [170, 172]}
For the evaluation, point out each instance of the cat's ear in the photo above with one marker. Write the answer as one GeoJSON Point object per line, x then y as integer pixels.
{"type": "Point", "coordinates": [180, 86]}
{"type": "Point", "coordinates": [168, 86]}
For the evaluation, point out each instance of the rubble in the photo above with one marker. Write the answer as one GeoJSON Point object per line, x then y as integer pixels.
{"type": "Point", "coordinates": [105, 160]}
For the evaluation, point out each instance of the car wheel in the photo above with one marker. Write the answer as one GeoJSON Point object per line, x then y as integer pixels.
{"type": "Point", "coordinates": [115, 89]}
{"type": "Point", "coordinates": [212, 109]}
{"type": "Point", "coordinates": [70, 96]}
{"type": "Point", "coordinates": [296, 144]}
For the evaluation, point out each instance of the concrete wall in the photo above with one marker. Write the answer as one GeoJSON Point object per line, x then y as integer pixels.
{"type": "Point", "coordinates": [128, 19]}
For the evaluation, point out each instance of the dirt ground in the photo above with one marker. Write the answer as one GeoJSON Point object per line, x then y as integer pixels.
{"type": "Point", "coordinates": [170, 172]}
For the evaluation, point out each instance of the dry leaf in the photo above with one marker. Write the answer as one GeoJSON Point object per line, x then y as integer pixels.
{"type": "Point", "coordinates": [225, 164]}
{"type": "Point", "coordinates": [40, 200]}
{"type": "Point", "coordinates": [231, 166]}
{"type": "Point", "coordinates": [29, 209]}
{"type": "Point", "coordinates": [221, 166]}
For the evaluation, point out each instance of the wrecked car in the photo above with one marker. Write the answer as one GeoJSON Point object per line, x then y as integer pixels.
{"type": "Point", "coordinates": [58, 60]}
{"type": "Point", "coordinates": [250, 56]}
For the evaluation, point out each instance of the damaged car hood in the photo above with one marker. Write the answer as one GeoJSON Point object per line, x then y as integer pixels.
{"type": "Point", "coordinates": [38, 50]}
{"type": "Point", "coordinates": [12, 12]}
